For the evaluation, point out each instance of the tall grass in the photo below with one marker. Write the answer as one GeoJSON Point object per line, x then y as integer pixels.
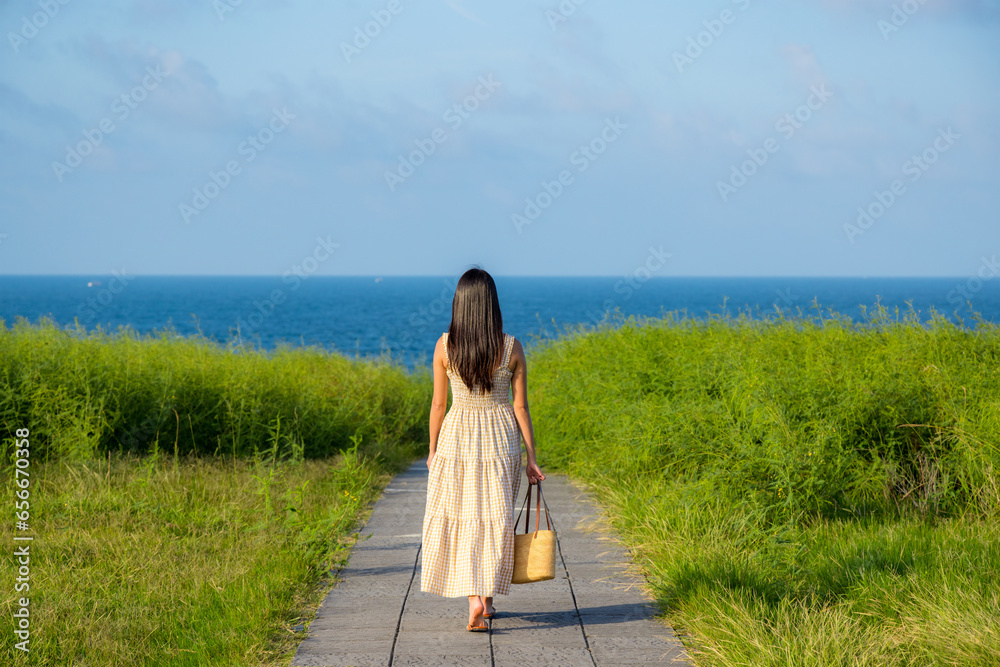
{"type": "Point", "coordinates": [84, 393]}
{"type": "Point", "coordinates": [189, 502]}
{"type": "Point", "coordinates": [188, 561]}
{"type": "Point", "coordinates": [799, 491]}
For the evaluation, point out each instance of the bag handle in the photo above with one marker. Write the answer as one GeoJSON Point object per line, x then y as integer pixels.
{"type": "Point", "coordinates": [539, 500]}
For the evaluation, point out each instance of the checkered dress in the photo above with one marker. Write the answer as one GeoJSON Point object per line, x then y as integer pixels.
{"type": "Point", "coordinates": [468, 531]}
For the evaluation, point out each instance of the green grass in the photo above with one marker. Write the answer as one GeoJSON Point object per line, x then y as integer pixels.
{"type": "Point", "coordinates": [188, 501]}
{"type": "Point", "coordinates": [85, 393]}
{"type": "Point", "coordinates": [797, 491]}
{"type": "Point", "coordinates": [192, 562]}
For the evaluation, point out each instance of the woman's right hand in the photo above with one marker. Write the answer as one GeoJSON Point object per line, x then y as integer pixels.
{"type": "Point", "coordinates": [534, 473]}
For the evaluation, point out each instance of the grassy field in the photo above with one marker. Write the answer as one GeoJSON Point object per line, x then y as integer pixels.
{"type": "Point", "coordinates": [204, 562]}
{"type": "Point", "coordinates": [87, 393]}
{"type": "Point", "coordinates": [798, 492]}
{"type": "Point", "coordinates": [188, 501]}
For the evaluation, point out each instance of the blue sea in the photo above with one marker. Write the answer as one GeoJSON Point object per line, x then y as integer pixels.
{"type": "Point", "coordinates": [403, 316]}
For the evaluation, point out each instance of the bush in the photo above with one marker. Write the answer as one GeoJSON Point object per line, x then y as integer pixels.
{"type": "Point", "coordinates": [83, 394]}
{"type": "Point", "coordinates": [787, 418]}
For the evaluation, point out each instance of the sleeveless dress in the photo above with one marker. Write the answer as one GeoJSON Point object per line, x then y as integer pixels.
{"type": "Point", "coordinates": [468, 529]}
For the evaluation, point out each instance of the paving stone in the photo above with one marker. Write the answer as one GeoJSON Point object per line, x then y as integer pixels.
{"type": "Point", "coordinates": [619, 627]}
{"type": "Point", "coordinates": [612, 602]}
{"type": "Point", "coordinates": [651, 649]}
{"type": "Point", "coordinates": [345, 653]}
{"type": "Point", "coordinates": [346, 625]}
{"type": "Point", "coordinates": [551, 639]}
{"type": "Point", "coordinates": [443, 660]}
{"type": "Point", "coordinates": [341, 659]}
{"type": "Point", "coordinates": [372, 592]}
{"type": "Point", "coordinates": [447, 639]}
{"type": "Point", "coordinates": [455, 642]}
{"type": "Point", "coordinates": [376, 617]}
{"type": "Point", "coordinates": [431, 618]}
{"type": "Point", "coordinates": [544, 654]}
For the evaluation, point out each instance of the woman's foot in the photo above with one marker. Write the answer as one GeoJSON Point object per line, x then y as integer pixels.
{"type": "Point", "coordinates": [476, 608]}
{"type": "Point", "coordinates": [487, 607]}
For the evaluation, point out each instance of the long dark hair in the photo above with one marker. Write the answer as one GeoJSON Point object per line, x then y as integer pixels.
{"type": "Point", "coordinates": [475, 336]}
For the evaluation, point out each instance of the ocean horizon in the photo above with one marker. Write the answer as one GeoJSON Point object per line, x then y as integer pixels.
{"type": "Point", "coordinates": [370, 316]}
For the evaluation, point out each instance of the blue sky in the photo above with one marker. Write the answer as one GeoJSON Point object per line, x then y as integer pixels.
{"type": "Point", "coordinates": [738, 137]}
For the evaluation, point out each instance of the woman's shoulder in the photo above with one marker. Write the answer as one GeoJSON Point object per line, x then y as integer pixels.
{"type": "Point", "coordinates": [516, 352]}
{"type": "Point", "coordinates": [441, 347]}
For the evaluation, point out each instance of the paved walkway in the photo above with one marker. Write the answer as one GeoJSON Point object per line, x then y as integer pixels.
{"type": "Point", "coordinates": [592, 613]}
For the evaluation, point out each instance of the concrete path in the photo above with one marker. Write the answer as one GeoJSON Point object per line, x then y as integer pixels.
{"type": "Point", "coordinates": [592, 613]}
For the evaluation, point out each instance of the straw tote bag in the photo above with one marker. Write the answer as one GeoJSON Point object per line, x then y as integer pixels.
{"type": "Point", "coordinates": [534, 553]}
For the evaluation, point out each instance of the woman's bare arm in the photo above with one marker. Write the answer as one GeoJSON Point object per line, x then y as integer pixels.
{"type": "Point", "coordinates": [519, 382]}
{"type": "Point", "coordinates": [439, 403]}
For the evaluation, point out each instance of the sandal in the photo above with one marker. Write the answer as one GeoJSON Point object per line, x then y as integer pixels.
{"type": "Point", "coordinates": [489, 616]}
{"type": "Point", "coordinates": [477, 628]}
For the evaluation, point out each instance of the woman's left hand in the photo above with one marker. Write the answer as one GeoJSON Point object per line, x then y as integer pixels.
{"type": "Point", "coordinates": [534, 473]}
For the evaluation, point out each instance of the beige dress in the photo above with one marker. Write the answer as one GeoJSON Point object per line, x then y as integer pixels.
{"type": "Point", "coordinates": [468, 530]}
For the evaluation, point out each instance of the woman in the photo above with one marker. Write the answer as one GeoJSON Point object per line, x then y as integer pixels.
{"type": "Point", "coordinates": [474, 464]}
